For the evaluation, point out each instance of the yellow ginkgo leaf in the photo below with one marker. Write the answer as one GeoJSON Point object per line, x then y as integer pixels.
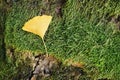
{"type": "Point", "coordinates": [38, 25]}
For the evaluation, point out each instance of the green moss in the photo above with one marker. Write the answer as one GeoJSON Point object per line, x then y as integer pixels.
{"type": "Point", "coordinates": [82, 34]}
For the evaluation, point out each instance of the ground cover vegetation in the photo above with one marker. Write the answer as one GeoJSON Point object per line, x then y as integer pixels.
{"type": "Point", "coordinates": [84, 31]}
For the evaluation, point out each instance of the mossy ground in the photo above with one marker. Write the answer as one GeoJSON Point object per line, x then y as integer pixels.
{"type": "Point", "coordinates": [82, 34]}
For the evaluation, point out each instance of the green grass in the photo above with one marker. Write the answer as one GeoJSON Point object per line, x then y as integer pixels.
{"type": "Point", "coordinates": [82, 34]}
{"type": "Point", "coordinates": [8, 70]}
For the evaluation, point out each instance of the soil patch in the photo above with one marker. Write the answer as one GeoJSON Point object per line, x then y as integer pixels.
{"type": "Point", "coordinates": [47, 68]}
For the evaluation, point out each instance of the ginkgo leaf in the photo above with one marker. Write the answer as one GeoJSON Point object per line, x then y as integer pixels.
{"type": "Point", "coordinates": [38, 25]}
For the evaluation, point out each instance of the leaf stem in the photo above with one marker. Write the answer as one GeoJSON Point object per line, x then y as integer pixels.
{"type": "Point", "coordinates": [45, 47]}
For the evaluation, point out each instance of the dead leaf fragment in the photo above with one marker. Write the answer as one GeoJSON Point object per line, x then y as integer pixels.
{"type": "Point", "coordinates": [38, 25]}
